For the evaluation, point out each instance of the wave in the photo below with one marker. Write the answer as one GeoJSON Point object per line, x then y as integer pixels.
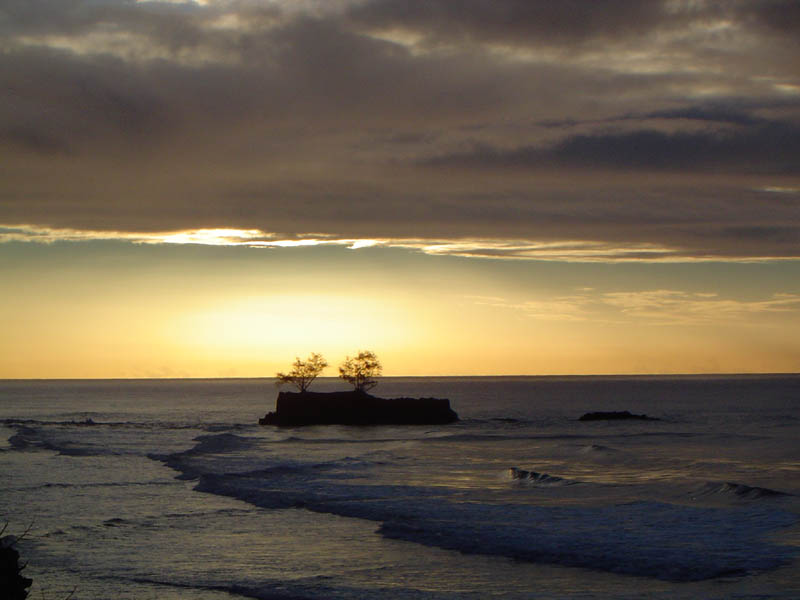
{"type": "Point", "coordinates": [638, 538]}
{"type": "Point", "coordinates": [218, 443]}
{"type": "Point", "coordinates": [538, 478]}
{"type": "Point", "coordinates": [148, 521]}
{"type": "Point", "coordinates": [276, 474]}
{"type": "Point", "coordinates": [193, 462]}
{"type": "Point", "coordinates": [481, 437]}
{"type": "Point", "coordinates": [29, 438]}
{"type": "Point", "coordinates": [119, 521]}
{"type": "Point", "coordinates": [495, 422]}
{"type": "Point", "coordinates": [89, 422]}
{"type": "Point", "coordinates": [598, 449]}
{"type": "Point", "coordinates": [24, 438]}
{"type": "Point", "coordinates": [85, 422]}
{"type": "Point", "coordinates": [293, 439]}
{"type": "Point", "coordinates": [284, 590]}
{"type": "Point", "coordinates": [217, 427]}
{"type": "Point", "coordinates": [104, 484]}
{"type": "Point", "coordinates": [59, 437]}
{"type": "Point", "coordinates": [737, 490]}
{"type": "Point", "coordinates": [642, 539]}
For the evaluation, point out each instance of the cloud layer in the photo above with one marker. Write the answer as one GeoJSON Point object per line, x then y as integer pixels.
{"type": "Point", "coordinates": [650, 127]}
{"type": "Point", "coordinates": [652, 307]}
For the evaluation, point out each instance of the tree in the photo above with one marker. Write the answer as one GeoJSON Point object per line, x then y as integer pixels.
{"type": "Point", "coordinates": [361, 370]}
{"type": "Point", "coordinates": [303, 372]}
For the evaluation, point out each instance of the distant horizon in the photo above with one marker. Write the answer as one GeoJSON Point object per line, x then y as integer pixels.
{"type": "Point", "coordinates": [333, 378]}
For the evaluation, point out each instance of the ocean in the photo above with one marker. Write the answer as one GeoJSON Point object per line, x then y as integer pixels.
{"type": "Point", "coordinates": [139, 489]}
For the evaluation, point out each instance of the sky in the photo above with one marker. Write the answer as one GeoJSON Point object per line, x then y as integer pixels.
{"type": "Point", "coordinates": [210, 189]}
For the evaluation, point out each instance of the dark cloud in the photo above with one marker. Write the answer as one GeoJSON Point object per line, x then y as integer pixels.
{"type": "Point", "coordinates": [178, 24]}
{"type": "Point", "coordinates": [605, 121]}
{"type": "Point", "coordinates": [782, 16]}
{"type": "Point", "coordinates": [31, 139]}
{"type": "Point", "coordinates": [568, 22]}
{"type": "Point", "coordinates": [711, 114]}
{"type": "Point", "coordinates": [773, 148]}
{"type": "Point", "coordinates": [73, 102]}
{"type": "Point", "coordinates": [519, 21]}
{"type": "Point", "coordinates": [706, 113]}
{"type": "Point", "coordinates": [772, 233]}
{"type": "Point", "coordinates": [306, 73]}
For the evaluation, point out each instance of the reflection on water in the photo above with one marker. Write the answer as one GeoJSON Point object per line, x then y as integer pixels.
{"type": "Point", "coordinates": [517, 500]}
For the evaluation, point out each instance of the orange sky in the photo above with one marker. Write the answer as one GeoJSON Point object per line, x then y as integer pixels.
{"type": "Point", "coordinates": [114, 309]}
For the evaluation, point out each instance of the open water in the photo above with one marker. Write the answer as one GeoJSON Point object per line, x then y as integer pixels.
{"type": "Point", "coordinates": [169, 489]}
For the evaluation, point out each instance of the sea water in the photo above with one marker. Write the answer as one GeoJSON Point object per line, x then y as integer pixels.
{"type": "Point", "coordinates": [170, 489]}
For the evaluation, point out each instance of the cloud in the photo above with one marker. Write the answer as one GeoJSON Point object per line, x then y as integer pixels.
{"type": "Point", "coordinates": [562, 250]}
{"type": "Point", "coordinates": [677, 307]}
{"type": "Point", "coordinates": [483, 248]}
{"type": "Point", "coordinates": [731, 111]}
{"type": "Point", "coordinates": [33, 139]}
{"type": "Point", "coordinates": [651, 307]}
{"type": "Point", "coordinates": [519, 21]}
{"type": "Point", "coordinates": [561, 308]}
{"type": "Point", "coordinates": [632, 130]}
{"type": "Point", "coordinates": [710, 113]}
{"type": "Point", "coordinates": [253, 238]}
{"type": "Point", "coordinates": [773, 148]}
{"type": "Point", "coordinates": [779, 189]}
{"type": "Point", "coordinates": [777, 16]}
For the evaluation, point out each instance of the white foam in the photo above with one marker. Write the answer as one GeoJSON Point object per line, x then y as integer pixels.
{"type": "Point", "coordinates": [665, 541]}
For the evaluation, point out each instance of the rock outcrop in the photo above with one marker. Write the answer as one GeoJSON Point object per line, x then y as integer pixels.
{"type": "Point", "coordinates": [13, 586]}
{"type": "Point", "coordinates": [357, 408]}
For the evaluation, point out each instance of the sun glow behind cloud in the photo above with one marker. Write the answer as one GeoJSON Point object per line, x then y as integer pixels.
{"type": "Point", "coordinates": [486, 248]}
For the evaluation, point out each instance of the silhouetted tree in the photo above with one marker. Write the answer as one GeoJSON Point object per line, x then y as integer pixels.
{"type": "Point", "coordinates": [361, 370]}
{"type": "Point", "coordinates": [303, 372]}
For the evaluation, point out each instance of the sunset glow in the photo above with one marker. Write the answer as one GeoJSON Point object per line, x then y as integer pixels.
{"type": "Point", "coordinates": [204, 189]}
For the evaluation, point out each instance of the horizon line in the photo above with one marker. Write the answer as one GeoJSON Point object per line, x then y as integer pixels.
{"type": "Point", "coordinates": [483, 376]}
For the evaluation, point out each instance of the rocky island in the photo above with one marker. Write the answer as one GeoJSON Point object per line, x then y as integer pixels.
{"type": "Point", "coordinates": [356, 408]}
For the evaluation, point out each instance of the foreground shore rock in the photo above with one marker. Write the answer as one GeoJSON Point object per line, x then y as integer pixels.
{"type": "Point", "coordinates": [357, 408]}
{"type": "Point", "coordinates": [13, 586]}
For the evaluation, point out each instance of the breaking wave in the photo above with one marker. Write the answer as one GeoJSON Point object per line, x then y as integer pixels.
{"type": "Point", "coordinates": [148, 425]}
{"type": "Point", "coordinates": [598, 449]}
{"type": "Point", "coordinates": [30, 438]}
{"type": "Point", "coordinates": [638, 538]}
{"type": "Point", "coordinates": [538, 478]}
{"type": "Point", "coordinates": [737, 490]}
